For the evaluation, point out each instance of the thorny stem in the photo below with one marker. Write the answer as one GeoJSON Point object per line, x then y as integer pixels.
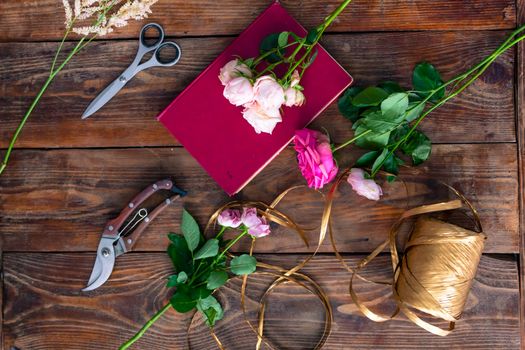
{"type": "Point", "coordinates": [144, 328]}
{"type": "Point", "coordinates": [321, 29]}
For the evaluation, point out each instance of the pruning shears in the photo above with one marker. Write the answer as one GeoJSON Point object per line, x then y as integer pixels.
{"type": "Point", "coordinates": [121, 234]}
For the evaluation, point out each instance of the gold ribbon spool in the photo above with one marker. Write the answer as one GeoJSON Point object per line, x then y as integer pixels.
{"type": "Point", "coordinates": [437, 270]}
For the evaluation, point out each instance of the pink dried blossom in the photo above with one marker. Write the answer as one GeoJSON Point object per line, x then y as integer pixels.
{"type": "Point", "coordinates": [364, 187]}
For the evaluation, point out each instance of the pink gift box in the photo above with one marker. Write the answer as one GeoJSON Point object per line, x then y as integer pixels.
{"type": "Point", "coordinates": [214, 131]}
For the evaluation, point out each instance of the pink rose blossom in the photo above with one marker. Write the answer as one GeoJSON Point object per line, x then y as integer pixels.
{"type": "Point", "coordinates": [234, 69]}
{"type": "Point", "coordinates": [257, 225]}
{"type": "Point", "coordinates": [364, 187]}
{"type": "Point", "coordinates": [239, 91]}
{"type": "Point", "coordinates": [269, 94]}
{"type": "Point", "coordinates": [260, 119]}
{"type": "Point", "coordinates": [230, 218]}
{"type": "Point", "coordinates": [293, 97]}
{"type": "Point", "coordinates": [315, 157]}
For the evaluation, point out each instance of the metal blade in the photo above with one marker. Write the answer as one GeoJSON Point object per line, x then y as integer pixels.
{"type": "Point", "coordinates": [103, 264]}
{"type": "Point", "coordinates": [106, 95]}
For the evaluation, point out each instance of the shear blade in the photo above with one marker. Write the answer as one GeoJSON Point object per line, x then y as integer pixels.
{"type": "Point", "coordinates": [103, 264]}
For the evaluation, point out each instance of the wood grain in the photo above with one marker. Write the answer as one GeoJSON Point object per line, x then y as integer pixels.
{"type": "Point", "coordinates": [483, 113]}
{"type": "Point", "coordinates": [48, 311]}
{"type": "Point", "coordinates": [59, 200]}
{"type": "Point", "coordinates": [520, 126]}
{"type": "Point", "coordinates": [20, 21]}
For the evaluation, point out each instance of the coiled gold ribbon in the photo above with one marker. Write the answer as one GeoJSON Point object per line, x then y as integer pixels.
{"type": "Point", "coordinates": [437, 270]}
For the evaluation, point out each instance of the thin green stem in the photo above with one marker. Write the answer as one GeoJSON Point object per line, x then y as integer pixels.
{"type": "Point", "coordinates": [232, 243]}
{"type": "Point", "coordinates": [144, 328]}
{"type": "Point", "coordinates": [34, 104]}
{"type": "Point", "coordinates": [328, 20]}
{"type": "Point", "coordinates": [352, 140]}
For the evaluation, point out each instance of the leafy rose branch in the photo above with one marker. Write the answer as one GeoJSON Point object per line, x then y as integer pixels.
{"type": "Point", "coordinates": [202, 266]}
{"type": "Point", "coordinates": [385, 117]}
{"type": "Point", "coordinates": [101, 24]}
{"type": "Point", "coordinates": [385, 120]}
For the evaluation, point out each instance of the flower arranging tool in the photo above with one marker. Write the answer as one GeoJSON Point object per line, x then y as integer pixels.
{"type": "Point", "coordinates": [156, 60]}
{"type": "Point", "coordinates": [120, 234]}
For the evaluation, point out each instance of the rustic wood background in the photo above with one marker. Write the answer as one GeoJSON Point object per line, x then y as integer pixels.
{"type": "Point", "coordinates": [68, 177]}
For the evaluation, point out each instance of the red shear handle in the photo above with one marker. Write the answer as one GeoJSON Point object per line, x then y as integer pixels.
{"type": "Point", "coordinates": [130, 240]}
{"type": "Point", "coordinates": [113, 226]}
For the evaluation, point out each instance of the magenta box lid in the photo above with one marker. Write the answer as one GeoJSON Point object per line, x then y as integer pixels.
{"type": "Point", "coordinates": [214, 131]}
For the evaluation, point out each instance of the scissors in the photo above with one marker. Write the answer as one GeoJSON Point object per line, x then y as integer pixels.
{"type": "Point", "coordinates": [155, 61]}
{"type": "Point", "coordinates": [118, 238]}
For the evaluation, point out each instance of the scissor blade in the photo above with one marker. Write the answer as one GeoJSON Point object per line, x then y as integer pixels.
{"type": "Point", "coordinates": [103, 98]}
{"type": "Point", "coordinates": [103, 264]}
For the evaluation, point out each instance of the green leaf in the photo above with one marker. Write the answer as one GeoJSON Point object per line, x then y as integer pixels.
{"type": "Point", "coordinates": [347, 109]}
{"type": "Point", "coordinates": [395, 105]}
{"type": "Point", "coordinates": [367, 159]}
{"type": "Point", "coordinates": [379, 161]}
{"type": "Point", "coordinates": [243, 265]}
{"type": "Point", "coordinates": [418, 146]}
{"type": "Point", "coordinates": [379, 123]}
{"type": "Point", "coordinates": [190, 230]}
{"type": "Point", "coordinates": [282, 39]}
{"type": "Point", "coordinates": [200, 293]}
{"type": "Point", "coordinates": [216, 279]}
{"type": "Point", "coordinates": [182, 301]}
{"type": "Point", "coordinates": [392, 164]}
{"type": "Point", "coordinates": [311, 59]}
{"type": "Point", "coordinates": [209, 249]}
{"type": "Point", "coordinates": [211, 309]}
{"type": "Point", "coordinates": [371, 141]}
{"type": "Point", "coordinates": [249, 61]}
{"type": "Point", "coordinates": [312, 35]}
{"type": "Point", "coordinates": [391, 87]}
{"type": "Point", "coordinates": [371, 96]}
{"type": "Point", "coordinates": [414, 111]}
{"type": "Point", "coordinates": [183, 277]}
{"type": "Point", "coordinates": [426, 78]}
{"type": "Point", "coordinates": [179, 254]}
{"type": "Point", "coordinates": [270, 43]}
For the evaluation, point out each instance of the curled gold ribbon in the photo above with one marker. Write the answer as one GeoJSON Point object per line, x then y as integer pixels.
{"type": "Point", "coordinates": [436, 272]}
{"type": "Point", "coordinates": [282, 275]}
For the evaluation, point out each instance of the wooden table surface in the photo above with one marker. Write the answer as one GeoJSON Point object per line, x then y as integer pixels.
{"type": "Point", "coordinates": [68, 177]}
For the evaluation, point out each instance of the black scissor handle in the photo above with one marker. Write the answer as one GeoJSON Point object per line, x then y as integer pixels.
{"type": "Point", "coordinates": [158, 41]}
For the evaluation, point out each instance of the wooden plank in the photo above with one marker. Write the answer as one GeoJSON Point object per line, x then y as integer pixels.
{"type": "Point", "coordinates": [483, 113]}
{"type": "Point", "coordinates": [21, 21]}
{"type": "Point", "coordinates": [59, 200]}
{"type": "Point", "coordinates": [520, 126]}
{"type": "Point", "coordinates": [46, 309]}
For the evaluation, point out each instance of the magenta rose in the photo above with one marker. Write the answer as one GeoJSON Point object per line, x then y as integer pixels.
{"type": "Point", "coordinates": [315, 158]}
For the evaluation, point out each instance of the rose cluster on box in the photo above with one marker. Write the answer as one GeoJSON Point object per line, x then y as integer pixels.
{"type": "Point", "coordinates": [261, 96]}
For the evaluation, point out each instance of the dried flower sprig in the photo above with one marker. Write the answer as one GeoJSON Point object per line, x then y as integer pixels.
{"type": "Point", "coordinates": [103, 16]}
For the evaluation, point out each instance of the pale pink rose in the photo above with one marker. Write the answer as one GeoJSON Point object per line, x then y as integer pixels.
{"type": "Point", "coordinates": [239, 91]}
{"type": "Point", "coordinates": [260, 119]}
{"type": "Point", "coordinates": [234, 69]}
{"type": "Point", "coordinates": [269, 94]}
{"type": "Point", "coordinates": [315, 158]}
{"type": "Point", "coordinates": [364, 187]}
{"type": "Point", "coordinates": [230, 218]}
{"type": "Point", "coordinates": [257, 225]}
{"type": "Point", "coordinates": [296, 78]}
{"type": "Point", "coordinates": [293, 97]}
